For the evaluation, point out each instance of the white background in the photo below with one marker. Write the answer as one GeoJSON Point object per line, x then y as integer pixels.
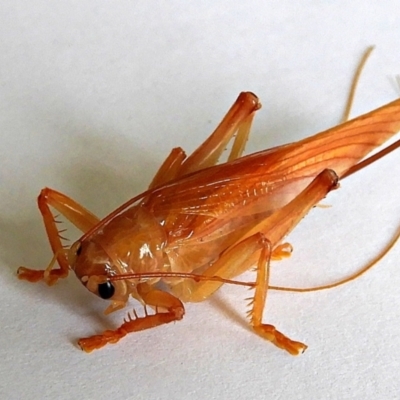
{"type": "Point", "coordinates": [94, 94]}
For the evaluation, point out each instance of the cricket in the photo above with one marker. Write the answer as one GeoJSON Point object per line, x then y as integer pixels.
{"type": "Point", "coordinates": [203, 222]}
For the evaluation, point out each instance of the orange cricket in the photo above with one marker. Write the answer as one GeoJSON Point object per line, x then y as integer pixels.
{"type": "Point", "coordinates": [201, 224]}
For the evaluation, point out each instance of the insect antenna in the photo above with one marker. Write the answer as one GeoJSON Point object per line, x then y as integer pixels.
{"type": "Point", "coordinates": [195, 277]}
{"type": "Point", "coordinates": [350, 278]}
{"type": "Point", "coordinates": [354, 84]}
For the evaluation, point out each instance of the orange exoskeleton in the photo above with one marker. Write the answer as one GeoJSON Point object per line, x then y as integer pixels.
{"type": "Point", "coordinates": [201, 224]}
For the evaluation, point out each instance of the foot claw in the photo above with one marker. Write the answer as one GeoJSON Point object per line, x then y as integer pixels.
{"type": "Point", "coordinates": [30, 275]}
{"type": "Point", "coordinates": [34, 275]}
{"type": "Point", "coordinates": [98, 341]}
{"type": "Point", "coordinates": [270, 333]}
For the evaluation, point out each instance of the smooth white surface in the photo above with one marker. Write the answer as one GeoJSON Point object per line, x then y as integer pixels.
{"type": "Point", "coordinates": [94, 94]}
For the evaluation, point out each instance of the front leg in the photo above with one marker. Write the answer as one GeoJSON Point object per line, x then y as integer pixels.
{"type": "Point", "coordinates": [76, 214]}
{"type": "Point", "coordinates": [152, 297]}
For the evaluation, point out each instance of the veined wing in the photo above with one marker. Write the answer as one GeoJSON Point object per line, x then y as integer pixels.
{"type": "Point", "coordinates": [275, 175]}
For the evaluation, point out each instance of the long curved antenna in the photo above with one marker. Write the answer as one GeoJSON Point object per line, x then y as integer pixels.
{"type": "Point", "coordinates": [195, 277]}
{"type": "Point", "coordinates": [351, 171]}
{"type": "Point", "coordinates": [352, 277]}
{"type": "Point", "coordinates": [354, 83]}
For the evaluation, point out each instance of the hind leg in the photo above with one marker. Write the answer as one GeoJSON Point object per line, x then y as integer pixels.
{"type": "Point", "coordinates": [255, 248]}
{"type": "Point", "coordinates": [236, 122]}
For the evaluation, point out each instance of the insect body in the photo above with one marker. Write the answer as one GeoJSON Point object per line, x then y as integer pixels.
{"type": "Point", "coordinates": [201, 223]}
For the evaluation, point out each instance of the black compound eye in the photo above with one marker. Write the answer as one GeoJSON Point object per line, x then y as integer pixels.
{"type": "Point", "coordinates": [106, 290]}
